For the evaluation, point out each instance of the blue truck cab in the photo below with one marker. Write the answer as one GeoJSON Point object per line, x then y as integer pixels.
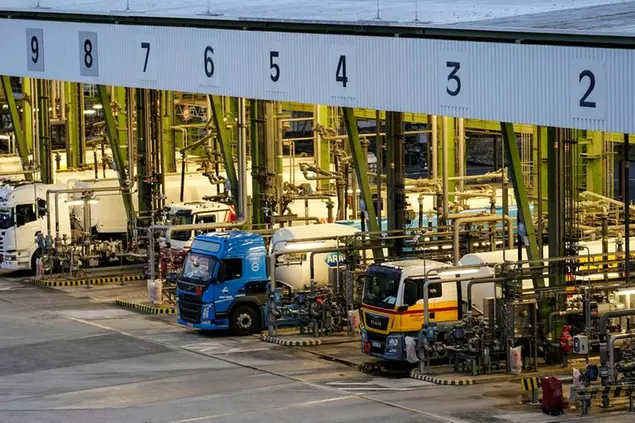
{"type": "Point", "coordinates": [223, 283]}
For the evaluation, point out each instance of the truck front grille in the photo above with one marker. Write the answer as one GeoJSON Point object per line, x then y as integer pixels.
{"type": "Point", "coordinates": [190, 308]}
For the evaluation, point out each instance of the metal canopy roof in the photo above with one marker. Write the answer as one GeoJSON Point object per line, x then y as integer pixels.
{"type": "Point", "coordinates": [605, 16]}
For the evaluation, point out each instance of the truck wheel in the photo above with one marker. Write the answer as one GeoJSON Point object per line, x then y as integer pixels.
{"type": "Point", "coordinates": [244, 321]}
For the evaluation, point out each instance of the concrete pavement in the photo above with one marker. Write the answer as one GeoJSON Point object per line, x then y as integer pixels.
{"type": "Point", "coordinates": [67, 358]}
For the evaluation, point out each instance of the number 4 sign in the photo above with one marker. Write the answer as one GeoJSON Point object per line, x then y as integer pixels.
{"type": "Point", "coordinates": [341, 70]}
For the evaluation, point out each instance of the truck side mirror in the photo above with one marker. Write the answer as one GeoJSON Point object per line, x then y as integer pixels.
{"type": "Point", "coordinates": [41, 208]}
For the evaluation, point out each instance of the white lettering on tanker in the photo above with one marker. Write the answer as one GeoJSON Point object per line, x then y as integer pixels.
{"type": "Point", "coordinates": [331, 259]}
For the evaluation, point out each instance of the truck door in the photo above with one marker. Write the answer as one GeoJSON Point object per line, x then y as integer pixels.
{"type": "Point", "coordinates": [26, 226]}
{"type": "Point", "coordinates": [230, 275]}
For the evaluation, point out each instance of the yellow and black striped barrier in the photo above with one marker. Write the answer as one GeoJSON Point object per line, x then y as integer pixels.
{"type": "Point", "coordinates": [291, 342]}
{"type": "Point", "coordinates": [415, 374]}
{"type": "Point", "coordinates": [143, 308]}
{"type": "Point", "coordinates": [531, 384]}
{"type": "Point", "coordinates": [587, 394]}
{"type": "Point", "coordinates": [53, 283]}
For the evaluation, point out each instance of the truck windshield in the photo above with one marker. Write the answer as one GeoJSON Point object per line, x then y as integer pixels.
{"type": "Point", "coordinates": [181, 217]}
{"type": "Point", "coordinates": [199, 268]}
{"type": "Point", "coordinates": [6, 221]}
{"type": "Point", "coordinates": [381, 288]}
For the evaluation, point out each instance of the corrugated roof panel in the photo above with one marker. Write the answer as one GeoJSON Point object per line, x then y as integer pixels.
{"type": "Point", "coordinates": [390, 11]}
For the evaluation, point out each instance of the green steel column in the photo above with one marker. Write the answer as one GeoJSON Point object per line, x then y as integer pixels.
{"type": "Point", "coordinates": [72, 126]}
{"type": "Point", "coordinates": [27, 112]}
{"type": "Point", "coordinates": [540, 135]}
{"type": "Point", "coordinates": [257, 162]}
{"type": "Point", "coordinates": [81, 124]}
{"type": "Point", "coordinates": [395, 151]}
{"type": "Point", "coordinates": [360, 162]}
{"type": "Point", "coordinates": [322, 151]}
{"type": "Point", "coordinates": [122, 119]}
{"type": "Point", "coordinates": [44, 129]}
{"type": "Point", "coordinates": [595, 154]}
{"type": "Point", "coordinates": [555, 196]}
{"type": "Point", "coordinates": [169, 147]}
{"type": "Point", "coordinates": [17, 125]}
{"type": "Point", "coordinates": [520, 192]}
{"type": "Point", "coordinates": [223, 136]}
{"type": "Point", "coordinates": [447, 127]}
{"type": "Point", "coordinates": [111, 130]}
{"type": "Point", "coordinates": [143, 158]}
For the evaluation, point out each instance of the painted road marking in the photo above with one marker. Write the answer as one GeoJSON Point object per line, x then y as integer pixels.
{"type": "Point", "coordinates": [216, 348]}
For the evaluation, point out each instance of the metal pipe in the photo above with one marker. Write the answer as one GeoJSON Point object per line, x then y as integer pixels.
{"type": "Point", "coordinates": [461, 151]}
{"type": "Point", "coordinates": [435, 145]}
{"type": "Point", "coordinates": [627, 209]}
{"type": "Point", "coordinates": [379, 144]}
{"type": "Point", "coordinates": [444, 155]}
{"type": "Point", "coordinates": [603, 322]}
{"type": "Point", "coordinates": [19, 172]}
{"type": "Point", "coordinates": [476, 219]}
{"type": "Point", "coordinates": [56, 192]}
{"type": "Point", "coordinates": [611, 364]}
{"type": "Point", "coordinates": [587, 194]}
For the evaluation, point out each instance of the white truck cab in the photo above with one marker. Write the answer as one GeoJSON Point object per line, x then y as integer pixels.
{"type": "Point", "coordinates": [23, 214]}
{"type": "Point", "coordinates": [196, 212]}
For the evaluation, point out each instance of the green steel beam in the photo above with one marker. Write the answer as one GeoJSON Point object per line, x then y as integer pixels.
{"type": "Point", "coordinates": [122, 119]}
{"type": "Point", "coordinates": [81, 124]}
{"type": "Point", "coordinates": [72, 126]}
{"type": "Point", "coordinates": [555, 198]}
{"type": "Point", "coordinates": [471, 125]}
{"type": "Point", "coordinates": [17, 125]}
{"type": "Point", "coordinates": [223, 136]}
{"type": "Point", "coordinates": [448, 129]}
{"type": "Point", "coordinates": [257, 162]}
{"type": "Point", "coordinates": [594, 155]}
{"type": "Point", "coordinates": [360, 162]}
{"type": "Point", "coordinates": [27, 112]}
{"type": "Point", "coordinates": [520, 192]}
{"type": "Point", "coordinates": [169, 147]}
{"type": "Point", "coordinates": [395, 155]}
{"type": "Point", "coordinates": [44, 129]}
{"type": "Point", "coordinates": [144, 188]}
{"type": "Point", "coordinates": [321, 116]}
{"type": "Point", "coordinates": [113, 138]}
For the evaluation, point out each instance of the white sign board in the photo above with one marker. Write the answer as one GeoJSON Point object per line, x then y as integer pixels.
{"type": "Point", "coordinates": [571, 87]}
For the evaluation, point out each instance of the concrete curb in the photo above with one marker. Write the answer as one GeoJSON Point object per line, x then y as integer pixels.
{"type": "Point", "coordinates": [438, 381]}
{"type": "Point", "coordinates": [290, 343]}
{"type": "Point", "coordinates": [52, 283]}
{"type": "Point", "coordinates": [145, 308]}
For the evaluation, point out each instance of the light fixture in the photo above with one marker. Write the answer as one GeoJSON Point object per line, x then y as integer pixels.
{"type": "Point", "coordinates": [458, 272]}
{"type": "Point", "coordinates": [90, 112]}
{"type": "Point", "coordinates": [5, 106]}
{"type": "Point", "coordinates": [303, 245]}
{"type": "Point", "coordinates": [81, 202]}
{"type": "Point", "coordinates": [97, 106]}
